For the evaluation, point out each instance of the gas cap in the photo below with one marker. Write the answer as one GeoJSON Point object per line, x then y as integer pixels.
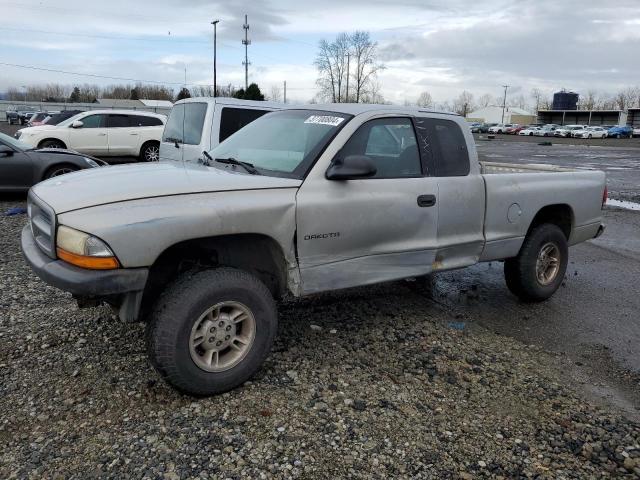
{"type": "Point", "coordinates": [514, 213]}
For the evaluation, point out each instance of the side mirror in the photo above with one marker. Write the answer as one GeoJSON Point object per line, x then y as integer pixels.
{"type": "Point", "coordinates": [5, 151]}
{"type": "Point", "coordinates": [77, 124]}
{"type": "Point", "coordinates": [351, 167]}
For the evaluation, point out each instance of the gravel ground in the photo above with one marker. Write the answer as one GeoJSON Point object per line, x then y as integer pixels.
{"type": "Point", "coordinates": [375, 382]}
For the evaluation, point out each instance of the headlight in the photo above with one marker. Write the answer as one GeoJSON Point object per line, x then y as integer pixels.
{"type": "Point", "coordinates": [90, 162]}
{"type": "Point", "coordinates": [84, 250]}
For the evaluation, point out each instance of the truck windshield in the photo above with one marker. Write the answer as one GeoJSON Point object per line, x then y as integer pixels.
{"type": "Point", "coordinates": [283, 143]}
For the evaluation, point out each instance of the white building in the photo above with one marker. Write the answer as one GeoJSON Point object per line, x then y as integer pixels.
{"type": "Point", "coordinates": [493, 114]}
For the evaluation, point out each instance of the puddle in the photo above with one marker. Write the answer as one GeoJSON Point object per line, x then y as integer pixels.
{"type": "Point", "coordinates": [623, 204]}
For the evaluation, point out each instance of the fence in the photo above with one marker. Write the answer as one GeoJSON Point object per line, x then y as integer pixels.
{"type": "Point", "coordinates": [6, 105]}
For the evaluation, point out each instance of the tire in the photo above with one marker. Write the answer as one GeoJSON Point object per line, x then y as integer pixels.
{"type": "Point", "coordinates": [9, 121]}
{"type": "Point", "coordinates": [618, 136]}
{"type": "Point", "coordinates": [58, 170]}
{"type": "Point", "coordinates": [171, 343]}
{"type": "Point", "coordinates": [590, 137]}
{"type": "Point", "coordinates": [150, 152]}
{"type": "Point", "coordinates": [52, 144]}
{"type": "Point", "coordinates": [522, 274]}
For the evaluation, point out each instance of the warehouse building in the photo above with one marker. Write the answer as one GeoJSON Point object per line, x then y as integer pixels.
{"type": "Point", "coordinates": [633, 117]}
{"type": "Point", "coordinates": [493, 114]}
{"type": "Point", "coordinates": [582, 117]}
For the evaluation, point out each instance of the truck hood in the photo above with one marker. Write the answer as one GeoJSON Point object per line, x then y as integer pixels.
{"type": "Point", "coordinates": [98, 186]}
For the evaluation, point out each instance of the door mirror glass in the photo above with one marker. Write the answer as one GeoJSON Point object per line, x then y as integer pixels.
{"type": "Point", "coordinates": [5, 151]}
{"type": "Point", "coordinates": [77, 124]}
{"type": "Point", "coordinates": [351, 167]}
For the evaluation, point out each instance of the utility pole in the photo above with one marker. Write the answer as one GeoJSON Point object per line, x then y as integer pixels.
{"type": "Point", "coordinates": [285, 91]}
{"type": "Point", "coordinates": [347, 95]}
{"type": "Point", "coordinates": [504, 102]}
{"type": "Point", "coordinates": [246, 42]}
{"type": "Point", "coordinates": [215, 32]}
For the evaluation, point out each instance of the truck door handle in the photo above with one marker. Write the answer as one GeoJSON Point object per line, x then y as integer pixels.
{"type": "Point", "coordinates": [101, 134]}
{"type": "Point", "coordinates": [426, 200]}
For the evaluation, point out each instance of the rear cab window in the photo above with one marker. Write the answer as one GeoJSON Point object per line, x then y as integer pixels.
{"type": "Point", "coordinates": [185, 123]}
{"type": "Point", "coordinates": [443, 147]}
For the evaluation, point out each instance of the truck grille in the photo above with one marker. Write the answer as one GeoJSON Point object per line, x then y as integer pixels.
{"type": "Point", "coordinates": [42, 221]}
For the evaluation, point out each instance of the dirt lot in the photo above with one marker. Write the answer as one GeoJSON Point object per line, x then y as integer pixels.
{"type": "Point", "coordinates": [378, 382]}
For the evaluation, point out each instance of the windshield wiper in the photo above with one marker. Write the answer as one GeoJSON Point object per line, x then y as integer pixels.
{"type": "Point", "coordinates": [232, 161]}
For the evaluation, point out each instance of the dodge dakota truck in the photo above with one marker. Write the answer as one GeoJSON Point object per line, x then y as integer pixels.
{"type": "Point", "coordinates": [300, 201]}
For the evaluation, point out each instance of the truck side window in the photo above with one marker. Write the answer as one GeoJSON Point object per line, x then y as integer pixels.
{"type": "Point", "coordinates": [390, 143]}
{"type": "Point", "coordinates": [185, 123]}
{"type": "Point", "coordinates": [233, 119]}
{"type": "Point", "coordinates": [443, 146]}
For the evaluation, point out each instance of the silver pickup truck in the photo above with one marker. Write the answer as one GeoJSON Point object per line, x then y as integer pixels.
{"type": "Point", "coordinates": [298, 202]}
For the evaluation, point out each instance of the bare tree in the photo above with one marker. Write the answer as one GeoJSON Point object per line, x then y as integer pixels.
{"type": "Point", "coordinates": [486, 100]}
{"type": "Point", "coordinates": [463, 104]}
{"type": "Point", "coordinates": [366, 66]}
{"type": "Point", "coordinates": [518, 102]}
{"type": "Point", "coordinates": [276, 94]}
{"type": "Point", "coordinates": [627, 98]}
{"type": "Point", "coordinates": [425, 100]}
{"type": "Point", "coordinates": [350, 60]}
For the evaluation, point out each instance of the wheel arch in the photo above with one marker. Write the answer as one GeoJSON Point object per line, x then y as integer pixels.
{"type": "Point", "coordinates": [146, 143]}
{"type": "Point", "coordinates": [257, 254]}
{"type": "Point", "coordinates": [64, 144]}
{"type": "Point", "coordinates": [559, 214]}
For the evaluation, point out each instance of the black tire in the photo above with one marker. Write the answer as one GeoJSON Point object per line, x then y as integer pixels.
{"type": "Point", "coordinates": [52, 143]}
{"type": "Point", "coordinates": [9, 121]}
{"type": "Point", "coordinates": [521, 272]}
{"type": "Point", "coordinates": [182, 304]}
{"type": "Point", "coordinates": [150, 152]}
{"type": "Point", "coordinates": [58, 170]}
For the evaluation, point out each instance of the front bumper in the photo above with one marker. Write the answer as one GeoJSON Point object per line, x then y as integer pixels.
{"type": "Point", "coordinates": [79, 281]}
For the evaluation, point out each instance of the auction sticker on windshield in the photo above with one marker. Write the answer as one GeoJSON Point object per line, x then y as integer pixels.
{"type": "Point", "coordinates": [324, 120]}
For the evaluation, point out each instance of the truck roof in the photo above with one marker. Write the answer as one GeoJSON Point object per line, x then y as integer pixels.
{"type": "Point", "coordinates": [234, 101]}
{"type": "Point", "coordinates": [357, 108]}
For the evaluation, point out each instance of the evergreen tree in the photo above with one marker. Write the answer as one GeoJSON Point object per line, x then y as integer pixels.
{"type": "Point", "coordinates": [183, 93]}
{"type": "Point", "coordinates": [75, 95]}
{"type": "Point", "coordinates": [134, 94]}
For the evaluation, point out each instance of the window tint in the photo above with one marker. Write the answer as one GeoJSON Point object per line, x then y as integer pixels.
{"type": "Point", "coordinates": [118, 121]}
{"type": "Point", "coordinates": [93, 121]}
{"type": "Point", "coordinates": [443, 146]}
{"type": "Point", "coordinates": [144, 121]}
{"type": "Point", "coordinates": [390, 143]}
{"type": "Point", "coordinates": [233, 119]}
{"type": "Point", "coordinates": [185, 123]}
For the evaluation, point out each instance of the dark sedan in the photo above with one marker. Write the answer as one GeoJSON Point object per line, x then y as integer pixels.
{"type": "Point", "coordinates": [22, 166]}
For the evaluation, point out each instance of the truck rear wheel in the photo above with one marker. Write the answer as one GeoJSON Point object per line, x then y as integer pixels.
{"type": "Point", "coordinates": [211, 330]}
{"type": "Point", "coordinates": [538, 270]}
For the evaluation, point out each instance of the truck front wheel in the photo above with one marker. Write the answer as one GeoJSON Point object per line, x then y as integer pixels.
{"type": "Point", "coordinates": [538, 270]}
{"type": "Point", "coordinates": [211, 330]}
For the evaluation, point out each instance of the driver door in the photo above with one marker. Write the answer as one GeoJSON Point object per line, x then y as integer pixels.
{"type": "Point", "coordinates": [16, 170]}
{"type": "Point", "coordinates": [369, 230]}
{"type": "Point", "coordinates": [91, 138]}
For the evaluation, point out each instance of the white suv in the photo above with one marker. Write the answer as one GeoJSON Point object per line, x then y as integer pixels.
{"type": "Point", "coordinates": [102, 133]}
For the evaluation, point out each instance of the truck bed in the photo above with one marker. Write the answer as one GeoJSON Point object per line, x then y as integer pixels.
{"type": "Point", "coordinates": [516, 193]}
{"type": "Point", "coordinates": [492, 168]}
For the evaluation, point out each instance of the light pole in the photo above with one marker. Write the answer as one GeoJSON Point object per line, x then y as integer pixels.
{"type": "Point", "coordinates": [25, 93]}
{"type": "Point", "coordinates": [504, 102]}
{"type": "Point", "coordinates": [215, 32]}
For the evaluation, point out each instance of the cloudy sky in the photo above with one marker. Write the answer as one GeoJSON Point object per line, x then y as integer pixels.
{"type": "Point", "coordinates": [443, 47]}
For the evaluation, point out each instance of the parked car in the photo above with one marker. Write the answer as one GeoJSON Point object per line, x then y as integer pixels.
{"type": "Point", "coordinates": [199, 124]}
{"type": "Point", "coordinates": [519, 128]}
{"type": "Point", "coordinates": [103, 133]}
{"type": "Point", "coordinates": [500, 128]}
{"type": "Point", "coordinates": [20, 116]}
{"type": "Point", "coordinates": [201, 251]}
{"type": "Point", "coordinates": [636, 132]}
{"type": "Point", "coordinates": [57, 118]}
{"type": "Point", "coordinates": [620, 131]}
{"type": "Point", "coordinates": [546, 131]}
{"type": "Point", "coordinates": [482, 128]}
{"type": "Point", "coordinates": [590, 132]}
{"type": "Point", "coordinates": [40, 118]}
{"type": "Point", "coordinates": [529, 131]}
{"type": "Point", "coordinates": [21, 166]}
{"type": "Point", "coordinates": [565, 131]}
{"type": "Point", "coordinates": [512, 129]}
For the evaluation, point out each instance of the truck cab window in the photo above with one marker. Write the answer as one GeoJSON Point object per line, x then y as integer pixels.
{"type": "Point", "coordinates": [185, 123]}
{"type": "Point", "coordinates": [233, 119]}
{"type": "Point", "coordinates": [443, 145]}
{"type": "Point", "coordinates": [390, 143]}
